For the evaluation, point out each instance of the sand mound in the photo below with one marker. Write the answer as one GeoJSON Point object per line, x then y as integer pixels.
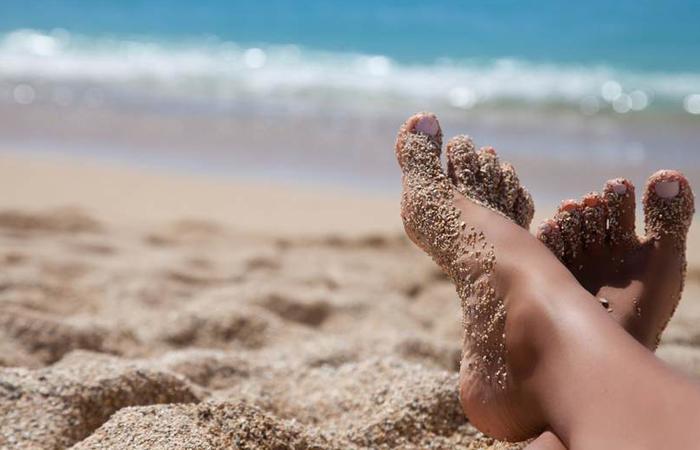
{"type": "Point", "coordinates": [66, 220]}
{"type": "Point", "coordinates": [43, 338]}
{"type": "Point", "coordinates": [62, 404]}
{"type": "Point", "coordinates": [204, 426]}
{"type": "Point", "coordinates": [378, 402]}
{"type": "Point", "coordinates": [193, 335]}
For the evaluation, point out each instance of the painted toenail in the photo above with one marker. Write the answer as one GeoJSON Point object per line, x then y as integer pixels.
{"type": "Point", "coordinates": [667, 189]}
{"type": "Point", "coordinates": [427, 125]}
{"type": "Point", "coordinates": [569, 205]}
{"type": "Point", "coordinates": [618, 187]}
{"type": "Point", "coordinates": [591, 200]}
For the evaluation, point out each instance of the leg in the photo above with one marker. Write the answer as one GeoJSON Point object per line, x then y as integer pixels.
{"type": "Point", "coordinates": [538, 352]}
{"type": "Point", "coordinates": [546, 441]}
{"type": "Point", "coordinates": [598, 387]}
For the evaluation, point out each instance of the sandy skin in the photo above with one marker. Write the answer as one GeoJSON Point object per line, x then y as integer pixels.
{"type": "Point", "coordinates": [525, 325]}
{"type": "Point", "coordinates": [638, 280]}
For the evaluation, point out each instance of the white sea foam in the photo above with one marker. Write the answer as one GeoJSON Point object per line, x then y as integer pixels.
{"type": "Point", "coordinates": [228, 71]}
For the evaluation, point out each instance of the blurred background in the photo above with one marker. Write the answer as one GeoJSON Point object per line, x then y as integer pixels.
{"type": "Point", "coordinates": [312, 91]}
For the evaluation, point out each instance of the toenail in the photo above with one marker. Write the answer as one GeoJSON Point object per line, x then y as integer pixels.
{"type": "Point", "coordinates": [591, 200]}
{"type": "Point", "coordinates": [427, 125]}
{"type": "Point", "coordinates": [569, 205]}
{"type": "Point", "coordinates": [618, 187]}
{"type": "Point", "coordinates": [667, 189]}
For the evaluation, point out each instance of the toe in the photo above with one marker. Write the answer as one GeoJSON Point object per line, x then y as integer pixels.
{"type": "Point", "coordinates": [523, 208]}
{"type": "Point", "coordinates": [569, 219]}
{"type": "Point", "coordinates": [595, 216]}
{"type": "Point", "coordinates": [428, 214]}
{"type": "Point", "coordinates": [462, 164]}
{"type": "Point", "coordinates": [488, 176]}
{"type": "Point", "coordinates": [619, 197]}
{"type": "Point", "coordinates": [481, 176]}
{"type": "Point", "coordinates": [668, 206]}
{"type": "Point", "coordinates": [508, 190]}
{"type": "Point", "coordinates": [418, 142]}
{"type": "Point", "coordinates": [550, 235]}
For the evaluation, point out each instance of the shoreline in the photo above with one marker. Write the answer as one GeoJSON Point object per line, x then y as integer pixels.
{"type": "Point", "coordinates": [557, 156]}
{"type": "Point", "coordinates": [126, 194]}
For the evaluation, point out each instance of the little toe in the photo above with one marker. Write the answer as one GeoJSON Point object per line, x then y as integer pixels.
{"type": "Point", "coordinates": [570, 221]}
{"type": "Point", "coordinates": [619, 196]}
{"type": "Point", "coordinates": [669, 205]}
{"type": "Point", "coordinates": [462, 163]}
{"type": "Point", "coordinates": [550, 235]}
{"type": "Point", "coordinates": [509, 189]}
{"type": "Point", "coordinates": [595, 216]}
{"type": "Point", "coordinates": [523, 208]}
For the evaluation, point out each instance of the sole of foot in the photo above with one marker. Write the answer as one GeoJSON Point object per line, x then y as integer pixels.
{"type": "Point", "coordinates": [638, 280]}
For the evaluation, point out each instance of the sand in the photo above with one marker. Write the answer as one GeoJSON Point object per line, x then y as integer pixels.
{"type": "Point", "coordinates": [152, 310]}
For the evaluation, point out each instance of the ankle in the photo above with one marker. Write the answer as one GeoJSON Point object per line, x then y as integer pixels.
{"type": "Point", "coordinates": [533, 318]}
{"type": "Point", "coordinates": [535, 341]}
{"type": "Point", "coordinates": [512, 412]}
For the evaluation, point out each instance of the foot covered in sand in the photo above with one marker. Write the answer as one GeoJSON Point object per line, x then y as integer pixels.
{"type": "Point", "coordinates": [639, 280]}
{"type": "Point", "coordinates": [468, 222]}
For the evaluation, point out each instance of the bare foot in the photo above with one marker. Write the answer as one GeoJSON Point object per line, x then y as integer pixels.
{"type": "Point", "coordinates": [482, 178]}
{"type": "Point", "coordinates": [638, 280]}
{"type": "Point", "coordinates": [465, 222]}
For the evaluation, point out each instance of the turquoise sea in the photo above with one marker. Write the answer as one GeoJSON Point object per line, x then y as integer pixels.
{"type": "Point", "coordinates": [611, 79]}
{"type": "Point", "coordinates": [463, 54]}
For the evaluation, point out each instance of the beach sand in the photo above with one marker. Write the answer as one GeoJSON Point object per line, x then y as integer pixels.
{"type": "Point", "coordinates": [154, 310]}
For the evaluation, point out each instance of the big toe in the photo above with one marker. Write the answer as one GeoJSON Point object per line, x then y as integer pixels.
{"type": "Point", "coordinates": [669, 205]}
{"type": "Point", "coordinates": [619, 197]}
{"type": "Point", "coordinates": [428, 215]}
{"type": "Point", "coordinates": [418, 142]}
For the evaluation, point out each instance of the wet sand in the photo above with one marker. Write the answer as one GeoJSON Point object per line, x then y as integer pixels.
{"type": "Point", "coordinates": [347, 147]}
{"type": "Point", "coordinates": [152, 310]}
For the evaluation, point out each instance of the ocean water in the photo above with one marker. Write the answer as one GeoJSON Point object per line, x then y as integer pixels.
{"type": "Point", "coordinates": [313, 88]}
{"type": "Point", "coordinates": [625, 56]}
